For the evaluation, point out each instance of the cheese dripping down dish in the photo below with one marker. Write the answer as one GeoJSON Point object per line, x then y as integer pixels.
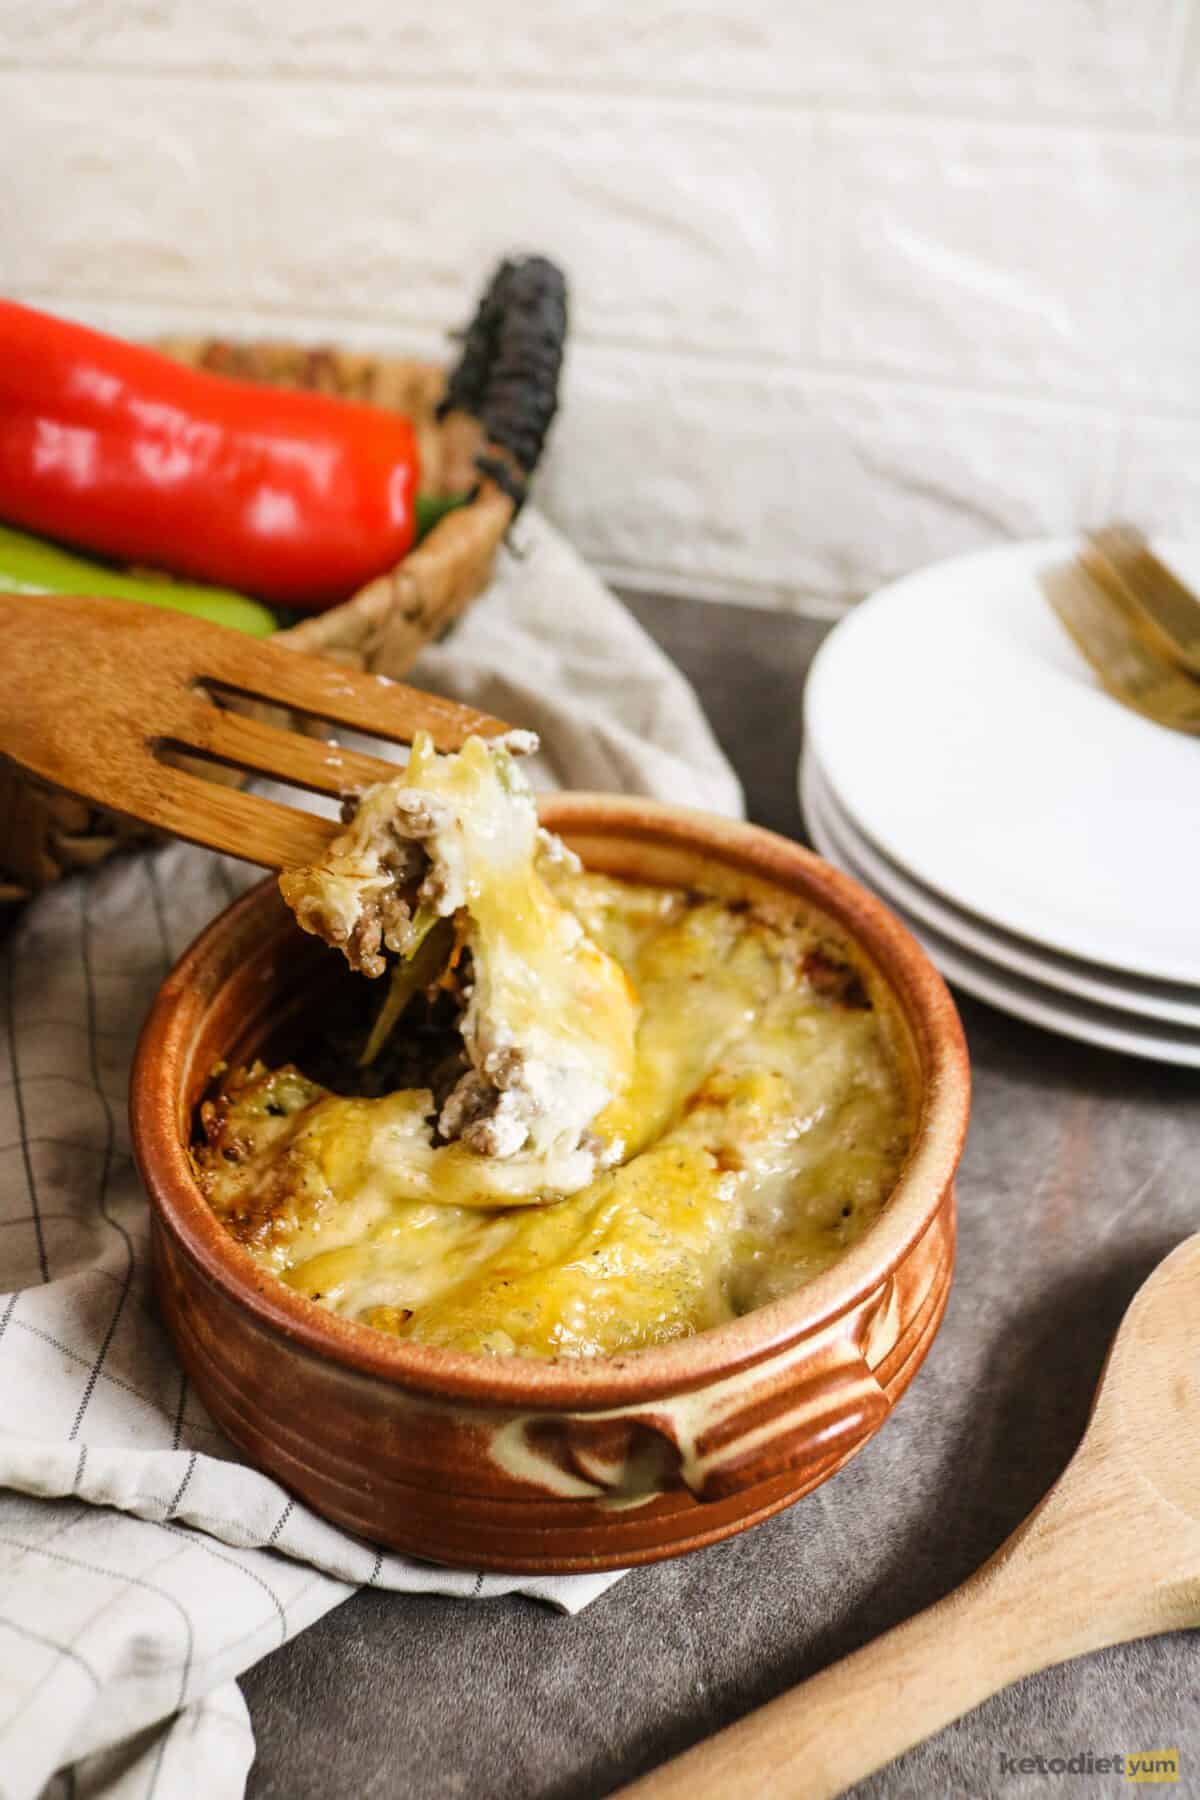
{"type": "Point", "coordinates": [589, 1114]}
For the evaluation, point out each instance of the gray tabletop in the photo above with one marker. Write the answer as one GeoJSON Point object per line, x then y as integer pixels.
{"type": "Point", "coordinates": [1077, 1179]}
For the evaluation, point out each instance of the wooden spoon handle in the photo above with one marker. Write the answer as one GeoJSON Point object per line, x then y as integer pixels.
{"type": "Point", "coordinates": [1023, 1611]}
{"type": "Point", "coordinates": [1112, 1553]}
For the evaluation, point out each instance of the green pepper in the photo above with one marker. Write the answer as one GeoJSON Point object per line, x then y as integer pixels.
{"type": "Point", "coordinates": [28, 565]}
{"type": "Point", "coordinates": [431, 508]}
{"type": "Point", "coordinates": [423, 964]}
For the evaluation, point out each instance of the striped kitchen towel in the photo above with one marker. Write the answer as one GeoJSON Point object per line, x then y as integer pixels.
{"type": "Point", "coordinates": [143, 1565]}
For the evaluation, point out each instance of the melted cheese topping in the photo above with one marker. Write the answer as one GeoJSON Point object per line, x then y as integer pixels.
{"type": "Point", "coordinates": [763, 1124]}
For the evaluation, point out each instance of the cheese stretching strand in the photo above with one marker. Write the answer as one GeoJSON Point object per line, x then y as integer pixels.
{"type": "Point", "coordinates": [549, 1022]}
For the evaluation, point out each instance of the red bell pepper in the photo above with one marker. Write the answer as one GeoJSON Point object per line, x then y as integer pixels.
{"type": "Point", "coordinates": [296, 496]}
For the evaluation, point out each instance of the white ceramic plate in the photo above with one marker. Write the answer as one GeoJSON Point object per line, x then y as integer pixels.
{"type": "Point", "coordinates": [967, 738]}
{"type": "Point", "coordinates": [1024, 999]}
{"type": "Point", "coordinates": [1170, 1005]}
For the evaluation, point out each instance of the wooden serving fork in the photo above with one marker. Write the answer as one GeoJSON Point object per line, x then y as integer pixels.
{"type": "Point", "coordinates": [102, 697]}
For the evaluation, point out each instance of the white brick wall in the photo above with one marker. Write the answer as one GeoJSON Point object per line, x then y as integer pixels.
{"type": "Point", "coordinates": [856, 283]}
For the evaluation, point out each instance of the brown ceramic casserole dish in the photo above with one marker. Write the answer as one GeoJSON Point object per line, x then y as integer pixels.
{"type": "Point", "coordinates": [508, 1463]}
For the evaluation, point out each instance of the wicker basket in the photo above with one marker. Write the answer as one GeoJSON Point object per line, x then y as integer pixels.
{"type": "Point", "coordinates": [480, 427]}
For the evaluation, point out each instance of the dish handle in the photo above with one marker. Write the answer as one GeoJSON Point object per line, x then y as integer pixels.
{"type": "Point", "coordinates": [806, 1407]}
{"type": "Point", "coordinates": [811, 1413]}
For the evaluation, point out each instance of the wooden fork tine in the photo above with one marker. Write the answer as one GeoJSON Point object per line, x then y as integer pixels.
{"type": "Point", "coordinates": [368, 703]}
{"type": "Point", "coordinates": [261, 749]}
{"type": "Point", "coordinates": [249, 826]}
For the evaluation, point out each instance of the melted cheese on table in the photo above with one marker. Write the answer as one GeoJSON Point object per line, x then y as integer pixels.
{"type": "Point", "coordinates": [762, 1126]}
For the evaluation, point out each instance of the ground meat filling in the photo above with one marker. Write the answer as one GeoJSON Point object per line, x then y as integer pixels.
{"type": "Point", "coordinates": [361, 901]}
{"type": "Point", "coordinates": [481, 1109]}
{"type": "Point", "coordinates": [385, 921]}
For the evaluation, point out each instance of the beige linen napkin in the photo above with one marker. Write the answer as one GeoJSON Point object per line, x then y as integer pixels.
{"type": "Point", "coordinates": [143, 1565]}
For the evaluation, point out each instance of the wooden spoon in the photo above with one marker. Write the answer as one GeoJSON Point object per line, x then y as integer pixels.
{"type": "Point", "coordinates": [1111, 1554]}
{"type": "Point", "coordinates": [101, 696]}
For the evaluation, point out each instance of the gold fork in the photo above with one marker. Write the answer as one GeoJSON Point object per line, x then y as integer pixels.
{"type": "Point", "coordinates": [1164, 612]}
{"type": "Point", "coordinates": [100, 697]}
{"type": "Point", "coordinates": [1131, 672]}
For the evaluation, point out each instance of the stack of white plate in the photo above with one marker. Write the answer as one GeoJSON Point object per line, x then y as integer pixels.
{"type": "Point", "coordinates": [1042, 841]}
